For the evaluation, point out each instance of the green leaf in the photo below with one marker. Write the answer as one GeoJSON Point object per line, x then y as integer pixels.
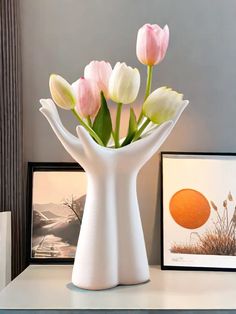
{"type": "Point", "coordinates": [102, 124]}
{"type": "Point", "coordinates": [133, 126]}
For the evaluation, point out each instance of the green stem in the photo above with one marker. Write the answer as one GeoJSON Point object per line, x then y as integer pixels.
{"type": "Point", "coordinates": [89, 121]}
{"type": "Point", "coordinates": [140, 131]}
{"type": "Point", "coordinates": [113, 135]}
{"type": "Point", "coordinates": [117, 127]}
{"type": "Point", "coordinates": [88, 128]}
{"type": "Point", "coordinates": [148, 88]}
{"type": "Point", "coordinates": [149, 81]}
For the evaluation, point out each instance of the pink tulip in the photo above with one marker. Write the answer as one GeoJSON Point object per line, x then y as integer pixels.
{"type": "Point", "coordinates": [99, 71]}
{"type": "Point", "coordinates": [152, 43]}
{"type": "Point", "coordinates": [87, 97]}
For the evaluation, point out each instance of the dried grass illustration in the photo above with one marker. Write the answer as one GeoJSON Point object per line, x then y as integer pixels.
{"type": "Point", "coordinates": [220, 240]}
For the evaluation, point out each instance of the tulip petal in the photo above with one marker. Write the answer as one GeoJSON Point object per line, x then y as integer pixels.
{"type": "Point", "coordinates": [163, 104]}
{"type": "Point", "coordinates": [100, 72]}
{"type": "Point", "coordinates": [124, 83]}
{"type": "Point", "coordinates": [152, 43]}
{"type": "Point", "coordinates": [87, 97]}
{"type": "Point", "coordinates": [62, 92]}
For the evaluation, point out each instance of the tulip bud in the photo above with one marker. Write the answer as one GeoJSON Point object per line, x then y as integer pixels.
{"type": "Point", "coordinates": [87, 97]}
{"type": "Point", "coordinates": [162, 105]}
{"type": "Point", "coordinates": [124, 83]}
{"type": "Point", "coordinates": [62, 92]}
{"type": "Point", "coordinates": [152, 43]}
{"type": "Point", "coordinates": [100, 72]}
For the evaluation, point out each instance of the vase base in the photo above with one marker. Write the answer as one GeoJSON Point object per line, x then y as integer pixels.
{"type": "Point", "coordinates": [107, 287]}
{"type": "Point", "coordinates": [98, 288]}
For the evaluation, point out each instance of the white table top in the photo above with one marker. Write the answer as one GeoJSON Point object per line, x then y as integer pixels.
{"type": "Point", "coordinates": [49, 287]}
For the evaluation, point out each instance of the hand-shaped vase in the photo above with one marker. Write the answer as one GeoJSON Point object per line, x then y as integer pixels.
{"type": "Point", "coordinates": [111, 248]}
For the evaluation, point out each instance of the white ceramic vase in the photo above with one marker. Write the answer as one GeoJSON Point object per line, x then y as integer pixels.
{"type": "Point", "coordinates": [111, 248]}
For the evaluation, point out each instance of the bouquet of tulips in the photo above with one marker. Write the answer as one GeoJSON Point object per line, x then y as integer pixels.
{"type": "Point", "coordinates": [87, 97]}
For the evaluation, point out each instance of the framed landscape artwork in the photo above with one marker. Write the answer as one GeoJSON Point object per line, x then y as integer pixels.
{"type": "Point", "coordinates": [56, 198]}
{"type": "Point", "coordinates": [199, 211]}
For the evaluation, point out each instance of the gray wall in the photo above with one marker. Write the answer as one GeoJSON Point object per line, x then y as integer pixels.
{"type": "Point", "coordinates": [62, 36]}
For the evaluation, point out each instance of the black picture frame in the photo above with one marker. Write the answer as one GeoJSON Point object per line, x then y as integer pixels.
{"type": "Point", "coordinates": [195, 155]}
{"type": "Point", "coordinates": [34, 167]}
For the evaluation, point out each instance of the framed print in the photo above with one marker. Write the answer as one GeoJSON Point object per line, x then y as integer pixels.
{"type": "Point", "coordinates": [199, 211]}
{"type": "Point", "coordinates": [56, 197]}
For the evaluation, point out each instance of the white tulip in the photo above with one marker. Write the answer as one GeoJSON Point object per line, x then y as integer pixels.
{"type": "Point", "coordinates": [162, 105]}
{"type": "Point", "coordinates": [124, 83]}
{"type": "Point", "coordinates": [62, 92]}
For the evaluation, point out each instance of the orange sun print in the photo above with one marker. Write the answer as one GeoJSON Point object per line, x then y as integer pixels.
{"type": "Point", "coordinates": [189, 208]}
